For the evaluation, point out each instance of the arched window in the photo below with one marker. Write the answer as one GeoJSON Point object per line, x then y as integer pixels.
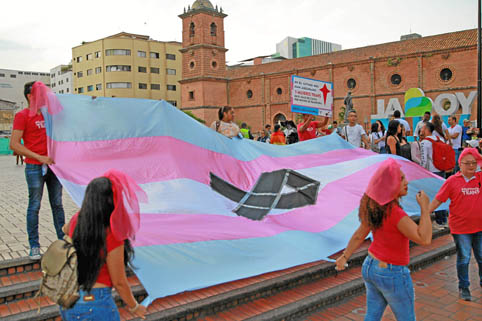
{"type": "Point", "coordinates": [214, 29]}
{"type": "Point", "coordinates": [191, 29]}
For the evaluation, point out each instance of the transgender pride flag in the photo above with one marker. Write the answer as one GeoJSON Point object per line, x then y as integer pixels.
{"type": "Point", "coordinates": [190, 237]}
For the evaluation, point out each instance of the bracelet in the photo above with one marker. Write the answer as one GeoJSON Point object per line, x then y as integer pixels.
{"type": "Point", "coordinates": [134, 309]}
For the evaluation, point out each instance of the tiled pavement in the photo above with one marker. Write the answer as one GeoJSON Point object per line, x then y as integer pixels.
{"type": "Point", "coordinates": [436, 297]}
{"type": "Point", "coordinates": [13, 209]}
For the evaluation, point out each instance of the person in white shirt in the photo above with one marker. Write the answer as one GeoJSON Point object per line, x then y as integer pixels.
{"type": "Point", "coordinates": [455, 136]}
{"type": "Point", "coordinates": [405, 124]}
{"type": "Point", "coordinates": [354, 133]}
{"type": "Point", "coordinates": [382, 132]}
{"type": "Point", "coordinates": [426, 161]}
{"type": "Point", "coordinates": [426, 118]}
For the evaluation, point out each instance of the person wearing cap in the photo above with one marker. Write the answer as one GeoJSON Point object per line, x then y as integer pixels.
{"type": "Point", "coordinates": [29, 125]}
{"type": "Point", "coordinates": [465, 220]}
{"type": "Point", "coordinates": [107, 221]}
{"type": "Point", "coordinates": [388, 254]}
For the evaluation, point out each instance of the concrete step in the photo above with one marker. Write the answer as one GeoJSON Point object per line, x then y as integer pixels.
{"type": "Point", "coordinates": [21, 282]}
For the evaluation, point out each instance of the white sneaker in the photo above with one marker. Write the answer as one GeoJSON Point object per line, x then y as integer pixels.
{"type": "Point", "coordinates": [35, 253]}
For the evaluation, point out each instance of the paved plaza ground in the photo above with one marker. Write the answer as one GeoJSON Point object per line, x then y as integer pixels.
{"type": "Point", "coordinates": [13, 211]}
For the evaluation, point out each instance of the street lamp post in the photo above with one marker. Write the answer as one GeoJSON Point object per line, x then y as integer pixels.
{"type": "Point", "coordinates": [479, 72]}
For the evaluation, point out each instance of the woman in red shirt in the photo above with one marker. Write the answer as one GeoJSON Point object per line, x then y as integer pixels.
{"type": "Point", "coordinates": [387, 278]}
{"type": "Point", "coordinates": [278, 137]}
{"type": "Point", "coordinates": [108, 218]}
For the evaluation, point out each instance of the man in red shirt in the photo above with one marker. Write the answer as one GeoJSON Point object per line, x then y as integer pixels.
{"type": "Point", "coordinates": [307, 129]}
{"type": "Point", "coordinates": [37, 173]}
{"type": "Point", "coordinates": [465, 218]}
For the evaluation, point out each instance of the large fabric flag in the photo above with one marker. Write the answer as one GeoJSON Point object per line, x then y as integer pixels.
{"type": "Point", "coordinates": [219, 209]}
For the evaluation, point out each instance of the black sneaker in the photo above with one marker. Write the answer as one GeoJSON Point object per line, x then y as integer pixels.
{"type": "Point", "coordinates": [464, 294]}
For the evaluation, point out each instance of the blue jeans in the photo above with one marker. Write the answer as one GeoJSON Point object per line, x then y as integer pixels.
{"type": "Point", "coordinates": [383, 150]}
{"type": "Point", "coordinates": [391, 285]}
{"type": "Point", "coordinates": [102, 307]}
{"type": "Point", "coordinates": [465, 243]}
{"type": "Point", "coordinates": [35, 183]}
{"type": "Point", "coordinates": [441, 216]}
{"type": "Point", "coordinates": [457, 154]}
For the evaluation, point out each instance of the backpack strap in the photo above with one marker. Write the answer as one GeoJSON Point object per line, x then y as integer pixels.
{"type": "Point", "coordinates": [218, 123]}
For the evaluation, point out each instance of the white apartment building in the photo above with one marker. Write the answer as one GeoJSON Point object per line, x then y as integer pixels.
{"type": "Point", "coordinates": [12, 82]}
{"type": "Point", "coordinates": [61, 79]}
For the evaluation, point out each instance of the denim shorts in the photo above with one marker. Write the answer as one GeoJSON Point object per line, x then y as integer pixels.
{"type": "Point", "coordinates": [99, 306]}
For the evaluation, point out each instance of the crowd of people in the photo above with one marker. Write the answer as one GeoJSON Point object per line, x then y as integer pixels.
{"type": "Point", "coordinates": [101, 231]}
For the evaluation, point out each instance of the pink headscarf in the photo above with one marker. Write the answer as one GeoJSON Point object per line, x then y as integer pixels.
{"type": "Point", "coordinates": [471, 151]}
{"type": "Point", "coordinates": [125, 219]}
{"type": "Point", "coordinates": [384, 186]}
{"type": "Point", "coordinates": [40, 96]}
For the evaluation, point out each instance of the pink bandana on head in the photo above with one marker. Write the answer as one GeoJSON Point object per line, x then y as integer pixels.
{"type": "Point", "coordinates": [42, 96]}
{"type": "Point", "coordinates": [384, 186]}
{"type": "Point", "coordinates": [125, 219]}
{"type": "Point", "coordinates": [471, 151]}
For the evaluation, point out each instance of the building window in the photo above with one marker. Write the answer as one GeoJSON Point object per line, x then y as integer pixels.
{"type": "Point", "coordinates": [170, 56]}
{"type": "Point", "coordinates": [20, 72]}
{"type": "Point", "coordinates": [97, 54]}
{"type": "Point", "coordinates": [142, 86]}
{"type": "Point", "coordinates": [79, 59]}
{"type": "Point", "coordinates": [170, 71]}
{"type": "Point", "coordinates": [79, 74]}
{"type": "Point", "coordinates": [115, 85]}
{"type": "Point", "coordinates": [117, 52]}
{"type": "Point", "coordinates": [171, 87]}
{"type": "Point", "coordinates": [192, 64]}
{"type": "Point", "coordinates": [279, 91]}
{"type": "Point", "coordinates": [141, 54]}
{"type": "Point", "coordinates": [154, 55]}
{"type": "Point", "coordinates": [89, 72]}
{"type": "Point", "coordinates": [214, 29]}
{"type": "Point", "coordinates": [191, 95]}
{"type": "Point", "coordinates": [396, 79]}
{"type": "Point", "coordinates": [172, 102]}
{"type": "Point", "coordinates": [118, 68]}
{"type": "Point", "coordinates": [2, 75]}
{"type": "Point", "coordinates": [191, 29]}
{"type": "Point", "coordinates": [80, 90]}
{"type": "Point", "coordinates": [90, 88]}
{"type": "Point", "coordinates": [98, 70]}
{"type": "Point", "coordinates": [66, 79]}
{"type": "Point", "coordinates": [98, 87]}
{"type": "Point", "coordinates": [88, 56]}
{"type": "Point", "coordinates": [13, 76]}
{"type": "Point", "coordinates": [249, 93]}
{"type": "Point", "coordinates": [141, 69]}
{"type": "Point", "coordinates": [154, 70]}
{"type": "Point", "coordinates": [214, 64]}
{"type": "Point", "coordinates": [351, 83]}
{"type": "Point", "coordinates": [67, 89]}
{"type": "Point", "coordinates": [446, 74]}
{"type": "Point", "coordinates": [155, 87]}
{"type": "Point", "coordinates": [28, 73]}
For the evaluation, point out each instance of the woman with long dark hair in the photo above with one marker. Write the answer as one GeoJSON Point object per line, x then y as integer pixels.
{"type": "Point", "coordinates": [439, 125]}
{"type": "Point", "coordinates": [385, 273]}
{"type": "Point", "coordinates": [382, 133]}
{"type": "Point", "coordinates": [391, 140]}
{"type": "Point", "coordinates": [226, 125]}
{"type": "Point", "coordinates": [405, 148]}
{"type": "Point", "coordinates": [101, 233]}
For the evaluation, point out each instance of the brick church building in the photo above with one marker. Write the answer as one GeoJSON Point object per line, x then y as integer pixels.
{"type": "Point", "coordinates": [443, 66]}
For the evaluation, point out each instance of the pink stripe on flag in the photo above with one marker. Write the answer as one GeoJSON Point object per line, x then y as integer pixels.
{"type": "Point", "coordinates": [166, 158]}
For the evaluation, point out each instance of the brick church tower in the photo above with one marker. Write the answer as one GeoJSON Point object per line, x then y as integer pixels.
{"type": "Point", "coordinates": [203, 84]}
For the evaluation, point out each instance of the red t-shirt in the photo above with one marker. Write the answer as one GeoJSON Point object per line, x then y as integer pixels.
{"type": "Point", "coordinates": [465, 203]}
{"type": "Point", "coordinates": [34, 134]}
{"type": "Point", "coordinates": [112, 243]}
{"type": "Point", "coordinates": [277, 138]}
{"type": "Point", "coordinates": [389, 244]}
{"type": "Point", "coordinates": [310, 131]}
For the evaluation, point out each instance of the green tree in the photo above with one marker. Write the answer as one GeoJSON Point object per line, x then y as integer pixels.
{"type": "Point", "coordinates": [190, 114]}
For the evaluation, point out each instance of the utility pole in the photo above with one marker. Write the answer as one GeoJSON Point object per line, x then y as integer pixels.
{"type": "Point", "coordinates": [479, 73]}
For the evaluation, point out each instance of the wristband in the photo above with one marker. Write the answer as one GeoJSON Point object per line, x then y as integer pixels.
{"type": "Point", "coordinates": [134, 309]}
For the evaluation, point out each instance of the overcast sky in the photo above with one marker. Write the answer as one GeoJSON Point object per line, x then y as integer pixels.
{"type": "Point", "coordinates": [39, 35]}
